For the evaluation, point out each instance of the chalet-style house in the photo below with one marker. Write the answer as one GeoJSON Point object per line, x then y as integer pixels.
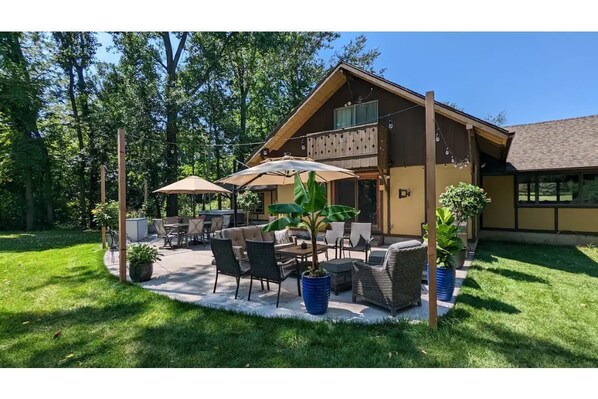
{"type": "Point", "coordinates": [541, 177]}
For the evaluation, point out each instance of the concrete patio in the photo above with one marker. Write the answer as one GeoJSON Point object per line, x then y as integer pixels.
{"type": "Point", "coordinates": [187, 274]}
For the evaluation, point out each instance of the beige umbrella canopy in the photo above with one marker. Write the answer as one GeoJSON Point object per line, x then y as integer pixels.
{"type": "Point", "coordinates": [280, 171]}
{"type": "Point", "coordinates": [192, 185]}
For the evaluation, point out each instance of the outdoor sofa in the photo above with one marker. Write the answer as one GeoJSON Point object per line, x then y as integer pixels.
{"type": "Point", "coordinates": [239, 235]}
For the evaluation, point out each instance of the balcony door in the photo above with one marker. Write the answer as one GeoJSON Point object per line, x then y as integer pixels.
{"type": "Point", "coordinates": [361, 194]}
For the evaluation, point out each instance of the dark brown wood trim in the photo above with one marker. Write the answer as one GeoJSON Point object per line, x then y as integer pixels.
{"type": "Point", "coordinates": [586, 233]}
{"type": "Point", "coordinates": [556, 219]}
{"type": "Point", "coordinates": [516, 203]}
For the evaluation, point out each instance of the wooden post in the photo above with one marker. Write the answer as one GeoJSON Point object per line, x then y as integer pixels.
{"type": "Point", "coordinates": [103, 199]}
{"type": "Point", "coordinates": [431, 206]}
{"type": "Point", "coordinates": [122, 208]}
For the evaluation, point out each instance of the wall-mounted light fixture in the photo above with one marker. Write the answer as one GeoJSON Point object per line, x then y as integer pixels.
{"type": "Point", "coordinates": [303, 145]}
{"type": "Point", "coordinates": [404, 192]}
{"type": "Point", "coordinates": [265, 152]}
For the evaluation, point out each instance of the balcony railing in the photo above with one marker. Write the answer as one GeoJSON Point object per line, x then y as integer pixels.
{"type": "Point", "coordinates": [356, 147]}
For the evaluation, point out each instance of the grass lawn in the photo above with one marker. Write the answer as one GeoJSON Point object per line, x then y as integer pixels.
{"type": "Point", "coordinates": [522, 306]}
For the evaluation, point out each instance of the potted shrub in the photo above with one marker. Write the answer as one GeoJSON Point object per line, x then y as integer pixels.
{"type": "Point", "coordinates": [465, 201]}
{"type": "Point", "coordinates": [448, 244]}
{"type": "Point", "coordinates": [141, 261]}
{"type": "Point", "coordinates": [249, 201]}
{"type": "Point", "coordinates": [106, 216]}
{"type": "Point", "coordinates": [311, 211]}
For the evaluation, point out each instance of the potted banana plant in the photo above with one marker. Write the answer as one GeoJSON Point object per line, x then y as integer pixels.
{"type": "Point", "coordinates": [312, 212]}
{"type": "Point", "coordinates": [448, 244]}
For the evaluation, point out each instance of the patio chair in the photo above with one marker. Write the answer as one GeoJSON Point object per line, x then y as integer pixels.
{"type": "Point", "coordinates": [264, 265]}
{"type": "Point", "coordinates": [226, 221]}
{"type": "Point", "coordinates": [162, 233]}
{"type": "Point", "coordinates": [194, 230]}
{"type": "Point", "coordinates": [171, 219]}
{"type": "Point", "coordinates": [226, 263]}
{"type": "Point", "coordinates": [215, 226]}
{"type": "Point", "coordinates": [185, 219]}
{"type": "Point", "coordinates": [112, 241]}
{"type": "Point", "coordinates": [334, 237]}
{"type": "Point", "coordinates": [360, 238]}
{"type": "Point", "coordinates": [396, 283]}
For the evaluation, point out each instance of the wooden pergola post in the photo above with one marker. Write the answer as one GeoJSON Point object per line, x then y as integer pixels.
{"type": "Point", "coordinates": [103, 199]}
{"type": "Point", "coordinates": [122, 208]}
{"type": "Point", "coordinates": [431, 206]}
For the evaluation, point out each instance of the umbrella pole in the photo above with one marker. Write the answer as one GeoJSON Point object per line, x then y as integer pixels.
{"type": "Point", "coordinates": [234, 206]}
{"type": "Point", "coordinates": [193, 204]}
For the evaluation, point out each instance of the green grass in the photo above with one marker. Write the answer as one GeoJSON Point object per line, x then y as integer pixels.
{"type": "Point", "coordinates": [522, 306]}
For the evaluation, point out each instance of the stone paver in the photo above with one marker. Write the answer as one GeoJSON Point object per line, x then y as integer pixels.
{"type": "Point", "coordinates": [186, 274]}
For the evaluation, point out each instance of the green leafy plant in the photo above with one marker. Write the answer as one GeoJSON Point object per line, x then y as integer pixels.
{"type": "Point", "coordinates": [448, 243]}
{"type": "Point", "coordinates": [249, 201]}
{"type": "Point", "coordinates": [465, 200]}
{"type": "Point", "coordinates": [106, 215]}
{"type": "Point", "coordinates": [142, 254]}
{"type": "Point", "coordinates": [310, 211]}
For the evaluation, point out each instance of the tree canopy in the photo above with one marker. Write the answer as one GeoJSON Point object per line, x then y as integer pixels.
{"type": "Point", "coordinates": [191, 102]}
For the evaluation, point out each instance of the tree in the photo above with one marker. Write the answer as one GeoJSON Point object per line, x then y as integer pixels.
{"type": "Point", "coordinates": [499, 119]}
{"type": "Point", "coordinates": [356, 53]}
{"type": "Point", "coordinates": [75, 55]}
{"type": "Point", "coordinates": [24, 167]}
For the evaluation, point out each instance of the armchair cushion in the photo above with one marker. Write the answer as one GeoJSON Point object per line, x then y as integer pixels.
{"type": "Point", "coordinates": [253, 233]}
{"type": "Point", "coordinates": [398, 245]}
{"type": "Point", "coordinates": [235, 235]}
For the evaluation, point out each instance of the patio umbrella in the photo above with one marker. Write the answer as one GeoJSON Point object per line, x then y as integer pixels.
{"type": "Point", "coordinates": [192, 185]}
{"type": "Point", "coordinates": [281, 171]}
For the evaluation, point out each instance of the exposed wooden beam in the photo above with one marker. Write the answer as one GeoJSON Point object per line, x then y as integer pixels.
{"type": "Point", "coordinates": [122, 208]}
{"type": "Point", "coordinates": [431, 206]}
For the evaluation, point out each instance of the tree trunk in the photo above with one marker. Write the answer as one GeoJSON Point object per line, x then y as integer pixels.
{"type": "Point", "coordinates": [92, 192]}
{"type": "Point", "coordinates": [29, 205]}
{"type": "Point", "coordinates": [81, 166]}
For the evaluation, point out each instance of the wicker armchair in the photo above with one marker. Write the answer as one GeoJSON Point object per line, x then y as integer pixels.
{"type": "Point", "coordinates": [396, 283]}
{"type": "Point", "coordinates": [265, 266]}
{"type": "Point", "coordinates": [226, 263]}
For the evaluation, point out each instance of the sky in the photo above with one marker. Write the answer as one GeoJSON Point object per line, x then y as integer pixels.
{"type": "Point", "coordinates": [532, 77]}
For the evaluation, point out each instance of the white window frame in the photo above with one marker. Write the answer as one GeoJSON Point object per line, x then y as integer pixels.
{"type": "Point", "coordinates": [353, 109]}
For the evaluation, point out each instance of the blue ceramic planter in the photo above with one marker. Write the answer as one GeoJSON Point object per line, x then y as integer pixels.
{"type": "Point", "coordinates": [316, 292]}
{"type": "Point", "coordinates": [445, 282]}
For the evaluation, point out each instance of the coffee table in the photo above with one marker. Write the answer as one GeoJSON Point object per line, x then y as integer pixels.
{"type": "Point", "coordinates": [340, 271]}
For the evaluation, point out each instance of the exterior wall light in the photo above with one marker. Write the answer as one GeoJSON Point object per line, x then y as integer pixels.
{"type": "Point", "coordinates": [404, 192]}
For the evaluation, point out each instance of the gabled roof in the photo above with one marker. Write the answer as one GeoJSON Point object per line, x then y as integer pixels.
{"type": "Point", "coordinates": [561, 144]}
{"type": "Point", "coordinates": [494, 139]}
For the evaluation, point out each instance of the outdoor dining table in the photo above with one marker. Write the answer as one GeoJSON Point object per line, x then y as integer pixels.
{"type": "Point", "coordinates": [300, 255]}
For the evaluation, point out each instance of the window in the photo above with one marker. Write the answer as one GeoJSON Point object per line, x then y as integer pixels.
{"type": "Point", "coordinates": [259, 209]}
{"type": "Point", "coordinates": [355, 115]}
{"type": "Point", "coordinates": [547, 189]}
{"type": "Point", "coordinates": [527, 189]}
{"type": "Point", "coordinates": [589, 189]}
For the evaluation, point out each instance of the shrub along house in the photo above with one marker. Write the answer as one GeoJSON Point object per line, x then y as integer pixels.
{"type": "Point", "coordinates": [359, 121]}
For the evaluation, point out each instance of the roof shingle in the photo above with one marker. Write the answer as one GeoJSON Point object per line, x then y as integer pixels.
{"type": "Point", "coordinates": [562, 144]}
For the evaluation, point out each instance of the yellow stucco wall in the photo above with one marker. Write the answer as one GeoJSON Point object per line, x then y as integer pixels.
{"type": "Point", "coordinates": [407, 214]}
{"type": "Point", "coordinates": [536, 218]}
{"type": "Point", "coordinates": [285, 194]}
{"type": "Point", "coordinates": [500, 213]}
{"type": "Point", "coordinates": [268, 197]}
{"type": "Point", "coordinates": [578, 220]}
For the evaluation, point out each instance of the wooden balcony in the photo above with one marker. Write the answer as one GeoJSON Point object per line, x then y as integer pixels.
{"type": "Point", "coordinates": [358, 147]}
